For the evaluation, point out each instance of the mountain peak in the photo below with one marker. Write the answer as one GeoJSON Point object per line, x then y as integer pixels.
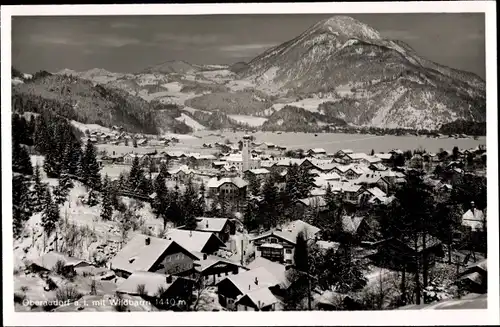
{"type": "Point", "coordinates": [347, 26]}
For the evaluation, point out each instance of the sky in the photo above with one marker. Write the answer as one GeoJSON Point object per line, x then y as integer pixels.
{"type": "Point", "coordinates": [132, 43]}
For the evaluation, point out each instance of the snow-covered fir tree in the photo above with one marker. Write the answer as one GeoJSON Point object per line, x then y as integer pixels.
{"type": "Point", "coordinates": [107, 206]}
{"type": "Point", "coordinates": [21, 162]}
{"type": "Point", "coordinates": [39, 190]}
{"type": "Point", "coordinates": [21, 203]}
{"type": "Point", "coordinates": [50, 214]}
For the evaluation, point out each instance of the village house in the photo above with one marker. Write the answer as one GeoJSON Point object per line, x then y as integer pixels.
{"type": "Point", "coordinates": [395, 252]}
{"type": "Point", "coordinates": [195, 241]}
{"type": "Point", "coordinates": [259, 300]}
{"type": "Point", "coordinates": [279, 244]}
{"type": "Point", "coordinates": [49, 261]}
{"type": "Point", "coordinates": [474, 219]}
{"type": "Point", "coordinates": [153, 254]}
{"type": "Point", "coordinates": [232, 188]}
{"type": "Point", "coordinates": [178, 290]}
{"type": "Point", "coordinates": [198, 160]}
{"type": "Point", "coordinates": [475, 277]}
{"type": "Point", "coordinates": [212, 269]}
{"type": "Point", "coordinates": [221, 227]}
{"type": "Point", "coordinates": [385, 158]}
{"type": "Point", "coordinates": [260, 174]}
{"type": "Point", "coordinates": [316, 152]}
{"type": "Point", "coordinates": [231, 288]}
{"type": "Point", "coordinates": [181, 174]}
{"type": "Point", "coordinates": [129, 158]}
{"type": "Point", "coordinates": [373, 180]}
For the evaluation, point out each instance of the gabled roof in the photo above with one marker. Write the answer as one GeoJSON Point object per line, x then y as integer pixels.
{"type": "Point", "coordinates": [205, 224]}
{"type": "Point", "coordinates": [211, 260]}
{"type": "Point", "coordinates": [317, 150]}
{"type": "Point", "coordinates": [216, 183]}
{"type": "Point", "coordinates": [351, 224]}
{"type": "Point", "coordinates": [151, 281]}
{"type": "Point", "coordinates": [137, 255]}
{"type": "Point", "coordinates": [383, 156]}
{"type": "Point", "coordinates": [245, 281]}
{"type": "Point", "coordinates": [277, 269]}
{"type": "Point", "coordinates": [290, 231]}
{"type": "Point", "coordinates": [193, 241]}
{"type": "Point", "coordinates": [184, 168]}
{"type": "Point", "coordinates": [262, 297]}
{"type": "Point", "coordinates": [50, 259]}
{"type": "Point", "coordinates": [259, 171]}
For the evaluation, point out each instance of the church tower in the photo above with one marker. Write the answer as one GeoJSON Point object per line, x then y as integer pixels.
{"type": "Point", "coordinates": [245, 153]}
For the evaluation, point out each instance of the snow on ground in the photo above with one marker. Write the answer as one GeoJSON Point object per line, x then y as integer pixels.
{"type": "Point", "coordinates": [240, 85]}
{"type": "Point", "coordinates": [309, 104]}
{"type": "Point", "coordinates": [250, 120]}
{"type": "Point", "coordinates": [91, 127]}
{"type": "Point", "coordinates": [190, 122]}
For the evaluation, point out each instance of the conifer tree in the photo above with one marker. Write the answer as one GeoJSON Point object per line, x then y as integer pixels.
{"type": "Point", "coordinates": [92, 177]}
{"type": "Point", "coordinates": [301, 253]}
{"type": "Point", "coordinates": [107, 205]}
{"type": "Point", "coordinates": [250, 216]}
{"type": "Point", "coordinates": [160, 202]}
{"type": "Point", "coordinates": [136, 176]}
{"type": "Point", "coordinates": [200, 207]}
{"type": "Point", "coordinates": [39, 190]}
{"type": "Point", "coordinates": [41, 135]}
{"type": "Point", "coordinates": [267, 208]}
{"type": "Point", "coordinates": [21, 203]}
{"type": "Point", "coordinates": [21, 162]}
{"type": "Point", "coordinates": [188, 207]}
{"type": "Point", "coordinates": [254, 185]}
{"type": "Point", "coordinates": [50, 215]}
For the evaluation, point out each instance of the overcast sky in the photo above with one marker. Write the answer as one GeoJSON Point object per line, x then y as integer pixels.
{"type": "Point", "coordinates": [131, 43]}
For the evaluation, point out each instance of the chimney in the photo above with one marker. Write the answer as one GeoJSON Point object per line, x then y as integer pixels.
{"type": "Point", "coordinates": [205, 256]}
{"type": "Point", "coordinates": [190, 233]}
{"type": "Point", "coordinates": [147, 240]}
{"type": "Point", "coordinates": [169, 279]}
{"type": "Point", "coordinates": [207, 223]}
{"type": "Point", "coordinates": [249, 287]}
{"type": "Point", "coordinates": [256, 281]}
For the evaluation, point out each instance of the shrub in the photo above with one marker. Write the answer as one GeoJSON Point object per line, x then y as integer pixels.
{"type": "Point", "coordinates": [93, 287]}
{"type": "Point", "coordinates": [141, 290]}
{"type": "Point", "coordinates": [68, 294]}
{"type": "Point", "coordinates": [59, 267]}
{"type": "Point", "coordinates": [19, 297]}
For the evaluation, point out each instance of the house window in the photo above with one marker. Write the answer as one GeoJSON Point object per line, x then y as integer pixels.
{"type": "Point", "coordinates": [218, 274]}
{"type": "Point", "coordinates": [288, 262]}
{"type": "Point", "coordinates": [289, 251]}
{"type": "Point", "coordinates": [274, 240]}
{"type": "Point", "coordinates": [259, 248]}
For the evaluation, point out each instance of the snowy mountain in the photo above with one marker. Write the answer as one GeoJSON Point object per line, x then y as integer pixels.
{"type": "Point", "coordinates": [386, 81]}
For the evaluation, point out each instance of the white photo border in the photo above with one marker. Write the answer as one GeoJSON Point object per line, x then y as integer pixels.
{"type": "Point", "coordinates": [401, 317]}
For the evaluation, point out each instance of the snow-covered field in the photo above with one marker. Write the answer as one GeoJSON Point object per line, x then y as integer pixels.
{"type": "Point", "coordinates": [190, 122]}
{"type": "Point", "coordinates": [309, 104]}
{"type": "Point", "coordinates": [90, 127]}
{"type": "Point", "coordinates": [240, 85]}
{"type": "Point", "coordinates": [250, 120]}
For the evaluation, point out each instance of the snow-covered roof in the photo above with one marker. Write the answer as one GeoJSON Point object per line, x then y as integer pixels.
{"type": "Point", "coordinates": [138, 255]}
{"type": "Point", "coordinates": [216, 183]}
{"type": "Point", "coordinates": [184, 168]}
{"type": "Point", "coordinates": [211, 260]}
{"type": "Point", "coordinates": [317, 150]}
{"type": "Point", "coordinates": [151, 281]}
{"type": "Point", "coordinates": [378, 193]}
{"type": "Point", "coordinates": [346, 151]}
{"type": "Point", "coordinates": [210, 224]}
{"type": "Point", "coordinates": [275, 268]}
{"type": "Point", "coordinates": [193, 241]}
{"type": "Point", "coordinates": [325, 245]}
{"type": "Point", "coordinates": [50, 259]}
{"type": "Point", "coordinates": [313, 201]}
{"type": "Point", "coordinates": [246, 281]}
{"type": "Point", "coordinates": [474, 219]}
{"type": "Point", "coordinates": [351, 224]}
{"type": "Point", "coordinates": [259, 171]}
{"type": "Point", "coordinates": [262, 297]}
{"type": "Point", "coordinates": [383, 156]}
